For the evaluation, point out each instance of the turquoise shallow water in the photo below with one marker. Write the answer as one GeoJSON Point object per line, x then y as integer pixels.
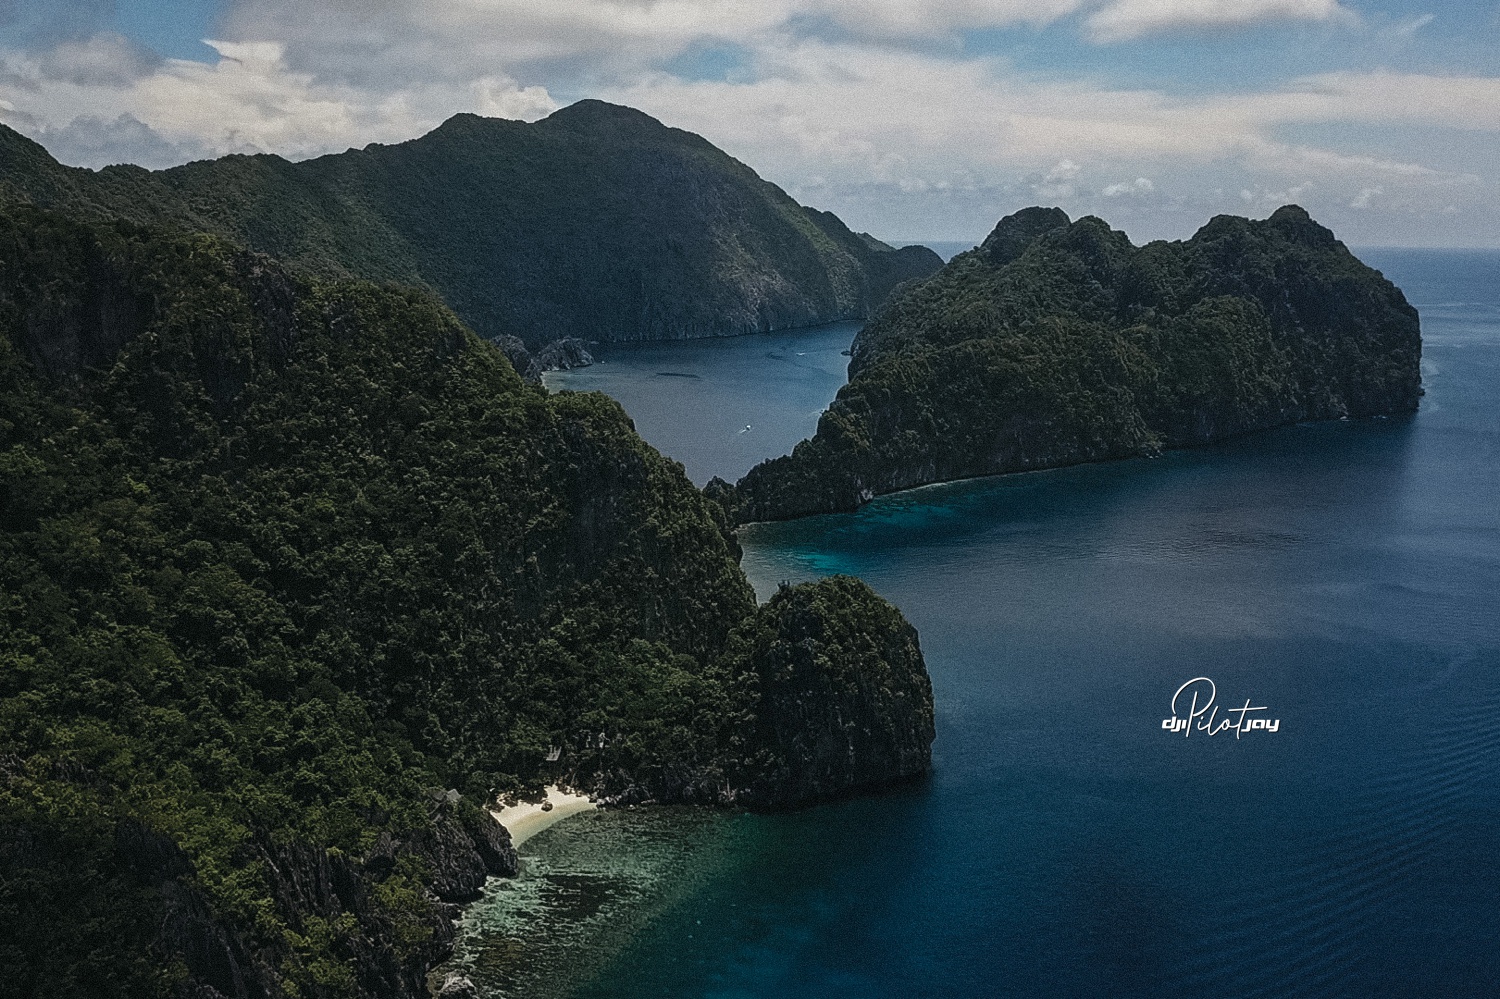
{"type": "Point", "coordinates": [1346, 576]}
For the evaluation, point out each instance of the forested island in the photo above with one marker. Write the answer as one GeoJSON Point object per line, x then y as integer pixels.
{"type": "Point", "coordinates": [297, 575]}
{"type": "Point", "coordinates": [1058, 342]}
{"type": "Point", "coordinates": [597, 223]}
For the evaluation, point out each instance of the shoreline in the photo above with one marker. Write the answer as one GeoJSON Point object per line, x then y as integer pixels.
{"type": "Point", "coordinates": [1121, 459]}
{"type": "Point", "coordinates": [526, 819]}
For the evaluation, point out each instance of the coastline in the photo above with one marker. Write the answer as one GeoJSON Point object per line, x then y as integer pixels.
{"type": "Point", "coordinates": [526, 819]}
{"type": "Point", "coordinates": [1039, 469]}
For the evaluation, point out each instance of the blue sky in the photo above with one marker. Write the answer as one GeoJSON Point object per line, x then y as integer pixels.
{"type": "Point", "coordinates": [910, 119]}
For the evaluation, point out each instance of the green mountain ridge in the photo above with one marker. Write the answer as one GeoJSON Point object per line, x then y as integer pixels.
{"type": "Point", "coordinates": [1058, 342]}
{"type": "Point", "coordinates": [597, 222]}
{"type": "Point", "coordinates": [295, 575]}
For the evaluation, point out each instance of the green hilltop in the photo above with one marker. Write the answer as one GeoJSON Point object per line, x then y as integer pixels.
{"type": "Point", "coordinates": [598, 222]}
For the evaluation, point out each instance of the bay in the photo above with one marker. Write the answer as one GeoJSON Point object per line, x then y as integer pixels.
{"type": "Point", "coordinates": [1346, 576]}
{"type": "Point", "coordinates": [721, 406]}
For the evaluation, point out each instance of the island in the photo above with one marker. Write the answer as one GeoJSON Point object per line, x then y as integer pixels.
{"type": "Point", "coordinates": [1058, 342]}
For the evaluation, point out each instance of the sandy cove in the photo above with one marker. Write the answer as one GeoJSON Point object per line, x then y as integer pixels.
{"type": "Point", "coordinates": [526, 819]}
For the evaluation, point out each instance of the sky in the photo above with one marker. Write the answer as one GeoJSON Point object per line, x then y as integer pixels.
{"type": "Point", "coordinates": [912, 119]}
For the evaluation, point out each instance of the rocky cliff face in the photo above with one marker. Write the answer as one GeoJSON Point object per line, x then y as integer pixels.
{"type": "Point", "coordinates": [559, 355]}
{"type": "Point", "coordinates": [842, 697]}
{"type": "Point", "coordinates": [830, 696]}
{"type": "Point", "coordinates": [1059, 342]}
{"type": "Point", "coordinates": [159, 909]}
{"type": "Point", "coordinates": [598, 223]}
{"type": "Point", "coordinates": [311, 887]}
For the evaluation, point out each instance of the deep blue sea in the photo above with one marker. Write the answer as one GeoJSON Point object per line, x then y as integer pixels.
{"type": "Point", "coordinates": [1345, 577]}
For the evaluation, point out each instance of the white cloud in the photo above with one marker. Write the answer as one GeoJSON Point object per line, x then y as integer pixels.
{"type": "Point", "coordinates": [1389, 98]}
{"type": "Point", "coordinates": [1415, 25]}
{"type": "Point", "coordinates": [95, 142]}
{"type": "Point", "coordinates": [1275, 197]}
{"type": "Point", "coordinates": [1141, 185]}
{"type": "Point", "coordinates": [1058, 181]}
{"type": "Point", "coordinates": [393, 41]}
{"type": "Point", "coordinates": [1125, 20]}
{"type": "Point", "coordinates": [247, 101]}
{"type": "Point", "coordinates": [1362, 199]}
{"type": "Point", "coordinates": [865, 105]}
{"type": "Point", "coordinates": [906, 19]}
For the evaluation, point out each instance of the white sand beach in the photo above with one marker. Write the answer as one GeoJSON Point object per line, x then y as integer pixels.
{"type": "Point", "coordinates": [529, 818]}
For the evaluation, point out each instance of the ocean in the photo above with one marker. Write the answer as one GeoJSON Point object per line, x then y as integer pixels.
{"type": "Point", "coordinates": [1343, 579]}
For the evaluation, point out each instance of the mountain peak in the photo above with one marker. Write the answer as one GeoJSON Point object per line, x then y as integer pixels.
{"type": "Point", "coordinates": [590, 111]}
{"type": "Point", "coordinates": [1293, 222]}
{"type": "Point", "coordinates": [603, 118]}
{"type": "Point", "coordinates": [1014, 233]}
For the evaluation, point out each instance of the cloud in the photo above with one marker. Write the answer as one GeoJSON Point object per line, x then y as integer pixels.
{"type": "Point", "coordinates": [106, 59]}
{"type": "Point", "coordinates": [94, 142]}
{"type": "Point", "coordinates": [905, 135]}
{"type": "Point", "coordinates": [1416, 24]}
{"type": "Point", "coordinates": [1126, 20]}
{"type": "Point", "coordinates": [249, 100]}
{"type": "Point", "coordinates": [1277, 197]}
{"type": "Point", "coordinates": [876, 107]}
{"type": "Point", "coordinates": [42, 23]}
{"type": "Point", "coordinates": [1388, 98]}
{"type": "Point", "coordinates": [1058, 181]}
{"type": "Point", "coordinates": [1362, 199]}
{"type": "Point", "coordinates": [1141, 185]}
{"type": "Point", "coordinates": [398, 40]}
{"type": "Point", "coordinates": [390, 42]}
{"type": "Point", "coordinates": [905, 19]}
{"type": "Point", "coordinates": [888, 109]}
{"type": "Point", "coordinates": [851, 112]}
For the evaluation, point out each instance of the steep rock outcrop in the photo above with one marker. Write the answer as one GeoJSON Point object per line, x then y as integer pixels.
{"type": "Point", "coordinates": [841, 697]}
{"type": "Point", "coordinates": [831, 696]}
{"type": "Point", "coordinates": [559, 355]}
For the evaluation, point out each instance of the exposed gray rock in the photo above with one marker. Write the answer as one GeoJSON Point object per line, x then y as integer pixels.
{"type": "Point", "coordinates": [456, 986]}
{"type": "Point", "coordinates": [559, 355]}
{"type": "Point", "coordinates": [562, 355]}
{"type": "Point", "coordinates": [837, 700]}
{"type": "Point", "coordinates": [460, 847]}
{"type": "Point", "coordinates": [515, 350]}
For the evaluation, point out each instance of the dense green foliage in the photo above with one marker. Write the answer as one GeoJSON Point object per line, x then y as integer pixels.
{"type": "Point", "coordinates": [277, 558]}
{"type": "Point", "coordinates": [597, 222]}
{"type": "Point", "coordinates": [1058, 342]}
{"type": "Point", "coordinates": [842, 698]}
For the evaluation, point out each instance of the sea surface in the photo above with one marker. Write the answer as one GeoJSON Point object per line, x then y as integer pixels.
{"type": "Point", "coordinates": [722, 405]}
{"type": "Point", "coordinates": [1343, 576]}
